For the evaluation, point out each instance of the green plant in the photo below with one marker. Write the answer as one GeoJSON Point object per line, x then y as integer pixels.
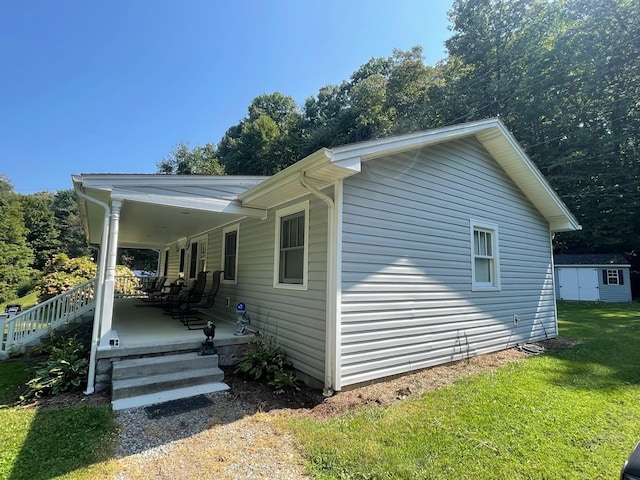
{"type": "Point", "coordinates": [62, 273]}
{"type": "Point", "coordinates": [65, 370]}
{"type": "Point", "coordinates": [285, 380]}
{"type": "Point", "coordinates": [264, 360]}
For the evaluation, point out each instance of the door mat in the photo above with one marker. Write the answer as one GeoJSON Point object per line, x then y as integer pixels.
{"type": "Point", "coordinates": [176, 407]}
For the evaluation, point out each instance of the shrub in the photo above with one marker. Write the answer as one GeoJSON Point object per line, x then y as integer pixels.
{"type": "Point", "coordinates": [65, 369]}
{"type": "Point", "coordinates": [62, 273]}
{"type": "Point", "coordinates": [264, 360]}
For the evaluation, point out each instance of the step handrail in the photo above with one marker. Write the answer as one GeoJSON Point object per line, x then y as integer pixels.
{"type": "Point", "coordinates": [41, 319]}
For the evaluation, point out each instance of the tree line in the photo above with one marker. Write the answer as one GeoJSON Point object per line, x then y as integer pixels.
{"type": "Point", "coordinates": [563, 75]}
{"type": "Point", "coordinates": [33, 229]}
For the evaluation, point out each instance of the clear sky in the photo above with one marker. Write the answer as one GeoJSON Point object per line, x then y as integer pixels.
{"type": "Point", "coordinates": [113, 86]}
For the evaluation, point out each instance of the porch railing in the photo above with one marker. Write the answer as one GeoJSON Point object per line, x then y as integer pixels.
{"type": "Point", "coordinates": [38, 321]}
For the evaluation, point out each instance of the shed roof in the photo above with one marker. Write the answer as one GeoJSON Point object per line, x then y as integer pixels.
{"type": "Point", "coordinates": [591, 259]}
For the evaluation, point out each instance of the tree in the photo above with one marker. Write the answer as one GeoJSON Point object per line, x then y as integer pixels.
{"type": "Point", "coordinates": [202, 160]}
{"type": "Point", "coordinates": [40, 222]}
{"type": "Point", "coordinates": [266, 141]}
{"type": "Point", "coordinates": [15, 255]}
{"type": "Point", "coordinates": [65, 208]}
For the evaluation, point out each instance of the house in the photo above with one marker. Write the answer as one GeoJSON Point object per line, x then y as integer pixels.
{"type": "Point", "coordinates": [593, 277]}
{"type": "Point", "coordinates": [362, 261]}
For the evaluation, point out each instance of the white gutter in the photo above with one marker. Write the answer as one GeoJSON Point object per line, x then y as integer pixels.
{"type": "Point", "coordinates": [331, 331]}
{"type": "Point", "coordinates": [97, 315]}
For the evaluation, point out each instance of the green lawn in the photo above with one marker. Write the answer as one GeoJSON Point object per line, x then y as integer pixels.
{"type": "Point", "coordinates": [49, 443]}
{"type": "Point", "coordinates": [570, 414]}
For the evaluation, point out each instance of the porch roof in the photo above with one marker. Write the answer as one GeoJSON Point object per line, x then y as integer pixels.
{"type": "Point", "coordinates": [160, 209]}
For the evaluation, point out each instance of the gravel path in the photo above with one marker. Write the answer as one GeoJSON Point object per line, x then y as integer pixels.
{"type": "Point", "coordinates": [226, 440]}
{"type": "Point", "coordinates": [237, 437]}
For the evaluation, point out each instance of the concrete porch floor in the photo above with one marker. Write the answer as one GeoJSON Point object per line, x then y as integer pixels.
{"type": "Point", "coordinates": [143, 329]}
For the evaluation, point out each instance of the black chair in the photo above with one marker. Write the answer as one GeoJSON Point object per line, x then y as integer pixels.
{"type": "Point", "coordinates": [190, 310]}
{"type": "Point", "coordinates": [193, 295]}
{"type": "Point", "coordinates": [152, 288]}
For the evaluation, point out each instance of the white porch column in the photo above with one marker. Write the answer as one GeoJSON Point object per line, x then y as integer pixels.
{"type": "Point", "coordinates": [110, 274]}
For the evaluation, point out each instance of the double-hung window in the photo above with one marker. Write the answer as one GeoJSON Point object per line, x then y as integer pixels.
{"type": "Point", "coordinates": [485, 266]}
{"type": "Point", "coordinates": [230, 254]}
{"type": "Point", "coordinates": [612, 277]}
{"type": "Point", "coordinates": [292, 247]}
{"type": "Point", "coordinates": [198, 257]}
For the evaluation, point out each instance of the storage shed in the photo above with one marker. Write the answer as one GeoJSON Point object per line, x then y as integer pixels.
{"type": "Point", "coordinates": [593, 277]}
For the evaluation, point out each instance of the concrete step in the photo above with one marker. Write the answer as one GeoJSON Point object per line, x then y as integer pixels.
{"type": "Point", "coordinates": [166, 395]}
{"type": "Point", "coordinates": [130, 387]}
{"type": "Point", "coordinates": [148, 380]}
{"type": "Point", "coordinates": [164, 364]}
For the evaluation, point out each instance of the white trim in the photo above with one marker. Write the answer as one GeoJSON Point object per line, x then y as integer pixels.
{"type": "Point", "coordinates": [337, 286]}
{"type": "Point", "coordinates": [595, 265]}
{"type": "Point", "coordinates": [297, 208]}
{"type": "Point", "coordinates": [494, 285]}
{"type": "Point", "coordinates": [232, 228]}
{"type": "Point", "coordinates": [199, 240]}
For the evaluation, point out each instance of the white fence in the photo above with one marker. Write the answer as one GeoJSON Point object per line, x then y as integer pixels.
{"type": "Point", "coordinates": [39, 321]}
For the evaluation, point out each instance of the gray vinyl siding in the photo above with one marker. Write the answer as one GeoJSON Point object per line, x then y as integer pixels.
{"type": "Point", "coordinates": [294, 318]}
{"type": "Point", "coordinates": [407, 299]}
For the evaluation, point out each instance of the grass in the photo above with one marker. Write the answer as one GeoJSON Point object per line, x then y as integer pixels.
{"type": "Point", "coordinates": [570, 414]}
{"type": "Point", "coordinates": [27, 301]}
{"type": "Point", "coordinates": [49, 443]}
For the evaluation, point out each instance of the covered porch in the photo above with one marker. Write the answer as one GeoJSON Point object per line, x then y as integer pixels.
{"type": "Point", "coordinates": [141, 328]}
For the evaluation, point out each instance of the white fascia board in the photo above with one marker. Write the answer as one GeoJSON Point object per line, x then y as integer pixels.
{"type": "Point", "coordinates": [412, 141]}
{"type": "Point", "coordinates": [595, 265]}
{"type": "Point", "coordinates": [563, 220]}
{"type": "Point", "coordinates": [107, 181]}
{"type": "Point", "coordinates": [195, 203]}
{"type": "Point", "coordinates": [312, 163]}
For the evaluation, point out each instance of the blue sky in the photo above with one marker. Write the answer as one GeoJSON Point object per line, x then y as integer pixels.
{"type": "Point", "coordinates": [112, 87]}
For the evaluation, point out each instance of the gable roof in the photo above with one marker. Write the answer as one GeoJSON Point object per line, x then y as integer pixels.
{"type": "Point", "coordinates": [591, 259]}
{"type": "Point", "coordinates": [326, 166]}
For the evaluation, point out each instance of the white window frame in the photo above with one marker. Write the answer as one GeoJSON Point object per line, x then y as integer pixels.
{"type": "Point", "coordinates": [284, 212]}
{"type": "Point", "coordinates": [201, 255]}
{"type": "Point", "coordinates": [225, 231]}
{"type": "Point", "coordinates": [493, 256]}
{"type": "Point", "coordinates": [613, 276]}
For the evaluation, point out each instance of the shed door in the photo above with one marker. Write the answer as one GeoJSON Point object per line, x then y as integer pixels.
{"type": "Point", "coordinates": [578, 284]}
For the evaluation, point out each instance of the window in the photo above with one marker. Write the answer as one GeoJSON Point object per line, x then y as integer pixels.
{"type": "Point", "coordinates": [612, 277]}
{"type": "Point", "coordinates": [182, 258]}
{"type": "Point", "coordinates": [292, 239]}
{"type": "Point", "coordinates": [484, 265]}
{"type": "Point", "coordinates": [230, 253]}
{"type": "Point", "coordinates": [165, 267]}
{"type": "Point", "coordinates": [198, 257]}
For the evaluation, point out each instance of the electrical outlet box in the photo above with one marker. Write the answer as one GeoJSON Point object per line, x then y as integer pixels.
{"type": "Point", "coordinates": [516, 320]}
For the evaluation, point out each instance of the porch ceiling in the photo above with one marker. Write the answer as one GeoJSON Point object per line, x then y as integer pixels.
{"type": "Point", "coordinates": [158, 210]}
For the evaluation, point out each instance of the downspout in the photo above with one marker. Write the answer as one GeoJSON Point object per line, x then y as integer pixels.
{"type": "Point", "coordinates": [330, 333]}
{"type": "Point", "coordinates": [97, 316]}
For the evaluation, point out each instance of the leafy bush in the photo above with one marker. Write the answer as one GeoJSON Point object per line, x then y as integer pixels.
{"type": "Point", "coordinates": [65, 370]}
{"type": "Point", "coordinates": [62, 273]}
{"type": "Point", "coordinates": [264, 360]}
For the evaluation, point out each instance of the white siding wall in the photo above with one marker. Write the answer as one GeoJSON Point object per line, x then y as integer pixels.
{"type": "Point", "coordinates": [407, 299]}
{"type": "Point", "coordinates": [296, 319]}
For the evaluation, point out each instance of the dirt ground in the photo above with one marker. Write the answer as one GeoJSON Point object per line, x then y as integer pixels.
{"type": "Point", "coordinates": [306, 401]}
